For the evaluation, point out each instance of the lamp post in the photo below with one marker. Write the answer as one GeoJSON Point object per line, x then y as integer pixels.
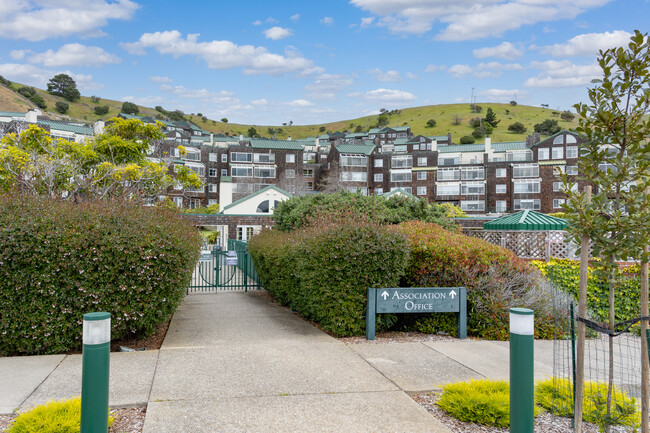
{"type": "Point", "coordinates": [522, 386]}
{"type": "Point", "coordinates": [95, 372]}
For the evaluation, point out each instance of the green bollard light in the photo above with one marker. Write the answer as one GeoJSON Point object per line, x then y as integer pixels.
{"type": "Point", "coordinates": [522, 385]}
{"type": "Point", "coordinates": [95, 372]}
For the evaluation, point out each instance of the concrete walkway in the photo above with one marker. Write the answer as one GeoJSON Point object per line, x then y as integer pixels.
{"type": "Point", "coordinates": [235, 362]}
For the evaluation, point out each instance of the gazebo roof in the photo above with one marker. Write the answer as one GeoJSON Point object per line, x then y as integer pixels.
{"type": "Point", "coordinates": [526, 220]}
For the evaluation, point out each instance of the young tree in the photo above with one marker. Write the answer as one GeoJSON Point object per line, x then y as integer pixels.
{"type": "Point", "coordinates": [224, 120]}
{"type": "Point", "coordinates": [491, 118]}
{"type": "Point", "coordinates": [547, 127]}
{"type": "Point", "coordinates": [252, 132]}
{"type": "Point", "coordinates": [431, 123]}
{"type": "Point", "coordinates": [130, 108]}
{"type": "Point", "coordinates": [517, 128]}
{"type": "Point", "coordinates": [63, 85]}
{"type": "Point", "coordinates": [62, 107]}
{"type": "Point", "coordinates": [567, 116]}
{"type": "Point", "coordinates": [100, 110]}
{"type": "Point", "coordinates": [616, 163]}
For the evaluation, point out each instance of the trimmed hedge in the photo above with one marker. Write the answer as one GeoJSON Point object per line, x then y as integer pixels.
{"type": "Point", "coordinates": [60, 260]}
{"type": "Point", "coordinates": [323, 271]}
{"type": "Point", "coordinates": [495, 279]}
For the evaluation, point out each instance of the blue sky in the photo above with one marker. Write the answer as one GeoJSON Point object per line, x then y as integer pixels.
{"type": "Point", "coordinates": [270, 62]}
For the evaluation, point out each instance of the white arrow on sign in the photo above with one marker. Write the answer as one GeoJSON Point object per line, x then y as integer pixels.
{"type": "Point", "coordinates": [452, 294]}
{"type": "Point", "coordinates": [384, 295]}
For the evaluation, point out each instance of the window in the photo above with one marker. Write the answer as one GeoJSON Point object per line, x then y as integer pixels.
{"type": "Point", "coordinates": [401, 176]}
{"type": "Point", "coordinates": [241, 171]}
{"type": "Point", "coordinates": [472, 188]}
{"type": "Point", "coordinates": [525, 170]}
{"type": "Point", "coordinates": [558, 202]}
{"type": "Point", "coordinates": [194, 203]}
{"type": "Point", "coordinates": [309, 186]}
{"type": "Point", "coordinates": [309, 172]}
{"type": "Point", "coordinates": [212, 202]}
{"type": "Point", "coordinates": [354, 161]}
{"type": "Point", "coordinates": [572, 170]}
{"type": "Point", "coordinates": [241, 157]}
{"type": "Point", "coordinates": [571, 151]}
{"type": "Point", "coordinates": [559, 169]}
{"type": "Point", "coordinates": [263, 207]}
{"type": "Point", "coordinates": [449, 174]}
{"type": "Point", "coordinates": [213, 157]}
{"type": "Point", "coordinates": [379, 177]}
{"type": "Point", "coordinates": [501, 172]}
{"type": "Point", "coordinates": [290, 158]}
{"type": "Point", "coordinates": [422, 175]}
{"type": "Point", "coordinates": [354, 176]}
{"type": "Point", "coordinates": [557, 186]}
{"type": "Point", "coordinates": [471, 173]}
{"type": "Point", "coordinates": [290, 174]}
{"type": "Point", "coordinates": [421, 190]}
{"type": "Point", "coordinates": [559, 139]}
{"type": "Point", "coordinates": [527, 186]}
{"type": "Point", "coordinates": [519, 155]}
{"type": "Point", "coordinates": [422, 161]}
{"type": "Point", "coordinates": [265, 172]}
{"type": "Point", "coordinates": [401, 161]}
{"type": "Point", "coordinates": [502, 188]}
{"type": "Point", "coordinates": [213, 187]}
{"type": "Point", "coordinates": [448, 188]}
{"type": "Point", "coordinates": [178, 201]}
{"type": "Point", "coordinates": [542, 154]}
{"type": "Point", "coordinates": [379, 163]}
{"type": "Point", "coordinates": [224, 172]}
{"type": "Point", "coordinates": [570, 139]}
{"type": "Point", "coordinates": [264, 158]}
{"type": "Point", "coordinates": [449, 160]}
{"type": "Point", "coordinates": [558, 153]}
{"type": "Point", "coordinates": [212, 172]}
{"type": "Point", "coordinates": [244, 233]}
{"type": "Point", "coordinates": [501, 206]}
{"type": "Point", "coordinates": [224, 157]}
{"type": "Point", "coordinates": [379, 191]}
{"type": "Point", "coordinates": [532, 204]}
{"type": "Point", "coordinates": [197, 168]}
{"type": "Point", "coordinates": [472, 205]}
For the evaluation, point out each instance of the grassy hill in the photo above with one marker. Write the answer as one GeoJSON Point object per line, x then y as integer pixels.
{"type": "Point", "coordinates": [453, 118]}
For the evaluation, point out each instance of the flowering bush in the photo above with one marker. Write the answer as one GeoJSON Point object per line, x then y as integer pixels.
{"type": "Point", "coordinates": [60, 260]}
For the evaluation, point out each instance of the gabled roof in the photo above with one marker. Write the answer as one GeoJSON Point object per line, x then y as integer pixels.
{"type": "Point", "coordinates": [355, 149]}
{"type": "Point", "coordinates": [512, 145]}
{"type": "Point", "coordinates": [396, 128]}
{"type": "Point", "coordinates": [397, 191]}
{"type": "Point", "coordinates": [399, 141]}
{"type": "Point", "coordinates": [250, 196]}
{"type": "Point", "coordinates": [564, 131]}
{"type": "Point", "coordinates": [62, 126]}
{"type": "Point", "coordinates": [324, 137]}
{"type": "Point", "coordinates": [276, 144]}
{"type": "Point", "coordinates": [526, 220]}
{"type": "Point", "coordinates": [374, 131]}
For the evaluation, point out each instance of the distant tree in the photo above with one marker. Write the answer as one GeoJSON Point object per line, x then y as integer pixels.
{"type": "Point", "coordinates": [358, 129]}
{"type": "Point", "coordinates": [555, 113]}
{"type": "Point", "coordinates": [160, 109]}
{"type": "Point", "coordinates": [176, 115]}
{"type": "Point", "coordinates": [467, 139]}
{"type": "Point", "coordinates": [567, 116]}
{"type": "Point", "coordinates": [63, 85]}
{"type": "Point", "coordinates": [491, 118]}
{"type": "Point", "coordinates": [62, 107]}
{"type": "Point", "coordinates": [101, 110]}
{"type": "Point", "coordinates": [224, 120]}
{"type": "Point", "coordinates": [382, 110]}
{"type": "Point", "coordinates": [513, 103]}
{"type": "Point", "coordinates": [27, 92]}
{"type": "Point", "coordinates": [475, 108]}
{"type": "Point", "coordinates": [457, 120]}
{"type": "Point", "coordinates": [31, 94]}
{"type": "Point", "coordinates": [95, 99]}
{"type": "Point", "coordinates": [431, 123]}
{"type": "Point", "coordinates": [382, 121]}
{"type": "Point", "coordinates": [252, 132]}
{"type": "Point", "coordinates": [130, 108]}
{"type": "Point", "coordinates": [478, 133]}
{"type": "Point", "coordinates": [199, 114]}
{"type": "Point", "coordinates": [475, 122]}
{"type": "Point", "coordinates": [321, 129]}
{"type": "Point", "coordinates": [271, 131]}
{"type": "Point", "coordinates": [204, 119]}
{"type": "Point", "coordinates": [4, 81]}
{"type": "Point", "coordinates": [544, 105]}
{"type": "Point", "coordinates": [547, 127]}
{"type": "Point", "coordinates": [290, 122]}
{"type": "Point", "coordinates": [284, 124]}
{"type": "Point", "coordinates": [517, 128]}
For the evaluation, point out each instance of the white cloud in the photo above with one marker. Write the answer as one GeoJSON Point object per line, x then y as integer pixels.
{"type": "Point", "coordinates": [36, 20]}
{"type": "Point", "coordinates": [505, 50]}
{"type": "Point", "coordinates": [471, 19]}
{"type": "Point", "coordinates": [501, 95]}
{"type": "Point", "coordinates": [35, 76]}
{"type": "Point", "coordinates": [385, 95]}
{"type": "Point", "coordinates": [299, 103]}
{"type": "Point", "coordinates": [295, 17]}
{"type": "Point", "coordinates": [147, 101]}
{"type": "Point", "coordinates": [411, 76]}
{"type": "Point", "coordinates": [271, 20]}
{"type": "Point", "coordinates": [327, 20]}
{"type": "Point", "coordinates": [588, 44]}
{"type": "Point", "coordinates": [155, 79]}
{"type": "Point", "coordinates": [366, 22]}
{"type": "Point", "coordinates": [75, 55]}
{"type": "Point", "coordinates": [563, 74]}
{"type": "Point", "coordinates": [388, 76]}
{"type": "Point", "coordinates": [19, 54]}
{"type": "Point", "coordinates": [222, 96]}
{"type": "Point", "coordinates": [326, 86]}
{"type": "Point", "coordinates": [276, 33]}
{"type": "Point", "coordinates": [484, 70]}
{"type": "Point", "coordinates": [435, 68]}
{"type": "Point", "coordinates": [257, 23]}
{"type": "Point", "coordinates": [222, 54]}
{"type": "Point", "coordinates": [262, 101]}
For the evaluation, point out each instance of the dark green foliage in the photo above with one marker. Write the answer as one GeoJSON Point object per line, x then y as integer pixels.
{"type": "Point", "coordinates": [224, 120]}
{"type": "Point", "coordinates": [567, 116]}
{"type": "Point", "coordinates": [475, 108]}
{"type": "Point", "coordinates": [5, 82]}
{"type": "Point", "coordinates": [547, 127]}
{"type": "Point", "coordinates": [130, 108]}
{"type": "Point", "coordinates": [322, 271]}
{"type": "Point", "coordinates": [382, 121]}
{"type": "Point", "coordinates": [517, 128]}
{"type": "Point", "coordinates": [298, 211]}
{"type": "Point", "coordinates": [491, 118]}
{"type": "Point", "coordinates": [62, 107]}
{"type": "Point", "coordinates": [39, 101]}
{"type": "Point", "coordinates": [63, 85]}
{"type": "Point", "coordinates": [101, 110]}
{"type": "Point", "coordinates": [358, 129]}
{"type": "Point", "coordinates": [27, 92]}
{"type": "Point", "coordinates": [513, 103]}
{"type": "Point", "coordinates": [467, 139]}
{"type": "Point", "coordinates": [95, 99]}
{"type": "Point", "coordinates": [431, 123]}
{"type": "Point", "coordinates": [475, 122]}
{"type": "Point", "coordinates": [160, 109]}
{"type": "Point", "coordinates": [176, 115]}
{"type": "Point", "coordinates": [478, 133]}
{"type": "Point", "coordinates": [252, 132]}
{"type": "Point", "coordinates": [321, 129]}
{"type": "Point", "coordinates": [61, 260]}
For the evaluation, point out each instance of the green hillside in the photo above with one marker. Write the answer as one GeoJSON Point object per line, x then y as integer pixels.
{"type": "Point", "coordinates": [453, 118]}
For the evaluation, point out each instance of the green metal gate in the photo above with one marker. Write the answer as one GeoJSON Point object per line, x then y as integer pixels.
{"type": "Point", "coordinates": [225, 270]}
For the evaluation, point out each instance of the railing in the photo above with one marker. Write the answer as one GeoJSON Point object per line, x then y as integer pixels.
{"type": "Point", "coordinates": [244, 260]}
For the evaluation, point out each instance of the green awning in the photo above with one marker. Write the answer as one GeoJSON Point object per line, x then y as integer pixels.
{"type": "Point", "coordinates": [526, 220]}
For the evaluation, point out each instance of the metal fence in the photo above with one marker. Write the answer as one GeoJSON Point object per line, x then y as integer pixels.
{"type": "Point", "coordinates": [245, 262]}
{"type": "Point", "coordinates": [230, 270]}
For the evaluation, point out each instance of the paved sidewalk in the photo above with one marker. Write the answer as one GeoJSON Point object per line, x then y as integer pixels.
{"type": "Point", "coordinates": [235, 362]}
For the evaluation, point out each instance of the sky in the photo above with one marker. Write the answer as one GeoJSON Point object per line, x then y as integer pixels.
{"type": "Point", "coordinates": [272, 62]}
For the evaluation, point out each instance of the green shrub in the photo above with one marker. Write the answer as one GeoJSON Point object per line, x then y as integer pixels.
{"type": "Point", "coordinates": [467, 139]}
{"type": "Point", "coordinates": [60, 260]}
{"type": "Point", "coordinates": [62, 107]}
{"type": "Point", "coordinates": [62, 416]}
{"type": "Point", "coordinates": [482, 401]}
{"type": "Point", "coordinates": [100, 110]}
{"type": "Point", "coordinates": [556, 396]}
{"type": "Point", "coordinates": [495, 279]}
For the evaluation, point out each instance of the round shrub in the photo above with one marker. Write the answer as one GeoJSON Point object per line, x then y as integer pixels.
{"type": "Point", "coordinates": [62, 259]}
{"type": "Point", "coordinates": [62, 416]}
